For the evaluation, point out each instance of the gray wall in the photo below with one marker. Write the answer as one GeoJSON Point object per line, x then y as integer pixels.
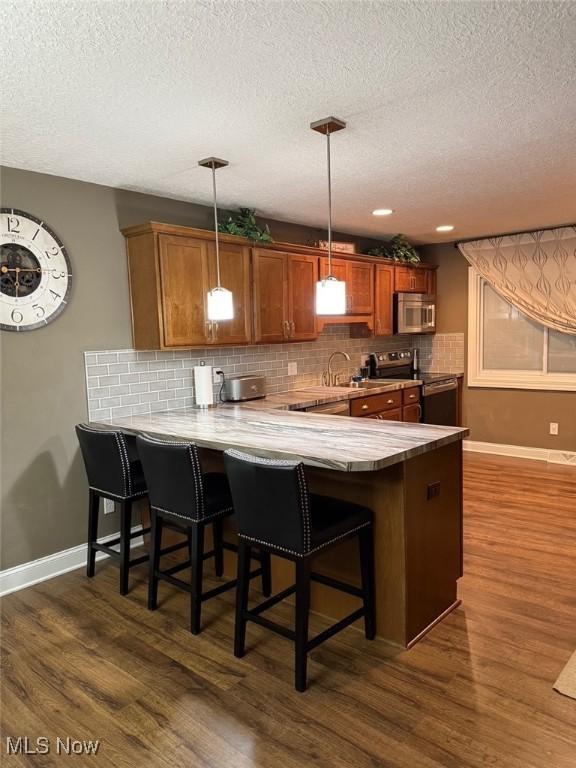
{"type": "Point", "coordinates": [508, 416]}
{"type": "Point", "coordinates": [43, 388]}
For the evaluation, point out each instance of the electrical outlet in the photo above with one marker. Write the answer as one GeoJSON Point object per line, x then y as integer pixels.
{"type": "Point", "coordinates": [292, 369]}
{"type": "Point", "coordinates": [217, 375]}
{"type": "Point", "coordinates": [553, 428]}
{"type": "Point", "coordinates": [109, 506]}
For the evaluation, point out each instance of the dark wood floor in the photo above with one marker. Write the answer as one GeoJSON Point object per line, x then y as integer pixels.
{"type": "Point", "coordinates": [81, 661]}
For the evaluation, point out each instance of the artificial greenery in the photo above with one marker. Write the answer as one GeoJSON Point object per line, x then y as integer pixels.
{"type": "Point", "coordinates": [244, 224]}
{"type": "Point", "coordinates": [397, 249]}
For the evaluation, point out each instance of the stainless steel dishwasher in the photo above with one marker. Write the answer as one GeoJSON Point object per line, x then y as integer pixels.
{"type": "Point", "coordinates": [440, 402]}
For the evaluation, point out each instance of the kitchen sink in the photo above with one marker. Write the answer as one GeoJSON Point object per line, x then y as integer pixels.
{"type": "Point", "coordinates": [368, 384]}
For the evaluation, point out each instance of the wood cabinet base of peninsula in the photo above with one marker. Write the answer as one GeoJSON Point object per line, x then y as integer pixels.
{"type": "Point", "coordinates": [417, 508]}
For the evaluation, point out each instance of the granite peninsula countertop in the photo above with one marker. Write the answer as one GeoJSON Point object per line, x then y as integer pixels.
{"type": "Point", "coordinates": [318, 440]}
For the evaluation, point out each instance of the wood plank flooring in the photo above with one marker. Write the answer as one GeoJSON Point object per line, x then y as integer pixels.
{"type": "Point", "coordinates": [81, 661]}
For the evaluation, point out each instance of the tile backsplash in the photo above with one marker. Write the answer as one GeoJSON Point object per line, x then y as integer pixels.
{"type": "Point", "coordinates": [126, 382]}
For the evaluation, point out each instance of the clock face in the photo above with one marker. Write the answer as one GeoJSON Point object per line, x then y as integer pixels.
{"type": "Point", "coordinates": [35, 273]}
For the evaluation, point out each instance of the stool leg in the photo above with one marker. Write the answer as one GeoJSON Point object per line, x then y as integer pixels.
{"type": "Point", "coordinates": [241, 598]}
{"type": "Point", "coordinates": [218, 547]}
{"type": "Point", "coordinates": [125, 528]}
{"type": "Point", "coordinates": [154, 560]}
{"type": "Point", "coordinates": [93, 508]}
{"type": "Point", "coordinates": [366, 546]}
{"type": "Point", "coordinates": [266, 573]}
{"type": "Point", "coordinates": [197, 561]}
{"type": "Point", "coordinates": [302, 614]}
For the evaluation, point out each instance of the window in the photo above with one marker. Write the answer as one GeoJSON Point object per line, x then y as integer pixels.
{"type": "Point", "coordinates": [508, 349]}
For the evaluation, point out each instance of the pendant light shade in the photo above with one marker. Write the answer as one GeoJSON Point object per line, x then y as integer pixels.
{"type": "Point", "coordinates": [220, 304]}
{"type": "Point", "coordinates": [219, 301]}
{"type": "Point", "coordinates": [330, 292]}
{"type": "Point", "coordinates": [330, 296]}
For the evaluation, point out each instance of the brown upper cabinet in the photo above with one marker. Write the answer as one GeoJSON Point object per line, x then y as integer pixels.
{"type": "Point", "coordinates": [170, 275]}
{"type": "Point", "coordinates": [359, 278]}
{"type": "Point", "coordinates": [409, 279]}
{"type": "Point", "coordinates": [171, 269]}
{"type": "Point", "coordinates": [284, 294]}
{"type": "Point", "coordinates": [383, 300]}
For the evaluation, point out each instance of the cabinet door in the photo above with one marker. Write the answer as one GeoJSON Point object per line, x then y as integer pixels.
{"type": "Point", "coordinates": [411, 279]}
{"type": "Point", "coordinates": [411, 413]}
{"type": "Point", "coordinates": [392, 415]}
{"type": "Point", "coordinates": [431, 282]}
{"type": "Point", "coordinates": [270, 295]}
{"type": "Point", "coordinates": [338, 268]}
{"type": "Point", "coordinates": [184, 283]}
{"type": "Point", "coordinates": [359, 278]}
{"type": "Point", "coordinates": [420, 280]}
{"type": "Point", "coordinates": [403, 279]}
{"type": "Point", "coordinates": [302, 278]}
{"type": "Point", "coordinates": [360, 288]}
{"type": "Point", "coordinates": [384, 295]}
{"type": "Point", "coordinates": [235, 276]}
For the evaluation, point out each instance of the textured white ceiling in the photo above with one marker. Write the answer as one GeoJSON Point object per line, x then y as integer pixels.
{"type": "Point", "coordinates": [458, 112]}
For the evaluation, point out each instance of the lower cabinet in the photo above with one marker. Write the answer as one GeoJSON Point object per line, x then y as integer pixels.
{"type": "Point", "coordinates": [395, 414]}
{"type": "Point", "coordinates": [412, 413]}
{"type": "Point", "coordinates": [402, 405]}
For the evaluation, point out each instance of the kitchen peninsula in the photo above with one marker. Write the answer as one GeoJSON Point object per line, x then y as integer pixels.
{"type": "Point", "coordinates": [409, 474]}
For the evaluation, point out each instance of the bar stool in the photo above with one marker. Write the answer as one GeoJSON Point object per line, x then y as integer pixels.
{"type": "Point", "coordinates": [276, 513]}
{"type": "Point", "coordinates": [114, 472]}
{"type": "Point", "coordinates": [182, 495]}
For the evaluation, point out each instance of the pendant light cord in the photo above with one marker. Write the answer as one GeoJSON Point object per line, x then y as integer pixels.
{"type": "Point", "coordinates": [329, 203]}
{"type": "Point", "coordinates": [216, 225]}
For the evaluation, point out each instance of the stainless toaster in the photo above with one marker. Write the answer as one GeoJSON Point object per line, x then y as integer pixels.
{"type": "Point", "coordinates": [244, 387]}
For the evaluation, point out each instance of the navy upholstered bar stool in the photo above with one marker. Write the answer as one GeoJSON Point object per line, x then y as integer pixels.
{"type": "Point", "coordinates": [276, 513]}
{"type": "Point", "coordinates": [182, 495]}
{"type": "Point", "coordinates": [114, 472]}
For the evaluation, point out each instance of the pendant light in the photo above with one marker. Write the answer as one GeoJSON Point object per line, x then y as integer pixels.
{"type": "Point", "coordinates": [219, 299]}
{"type": "Point", "coordinates": [330, 292]}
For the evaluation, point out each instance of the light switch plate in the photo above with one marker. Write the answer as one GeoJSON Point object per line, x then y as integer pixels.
{"type": "Point", "coordinates": [109, 506]}
{"type": "Point", "coordinates": [292, 369]}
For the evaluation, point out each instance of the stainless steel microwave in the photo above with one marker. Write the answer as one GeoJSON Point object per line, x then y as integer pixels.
{"type": "Point", "coordinates": [414, 313]}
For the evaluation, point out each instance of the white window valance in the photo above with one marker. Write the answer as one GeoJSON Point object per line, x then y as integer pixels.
{"type": "Point", "coordinates": [534, 271]}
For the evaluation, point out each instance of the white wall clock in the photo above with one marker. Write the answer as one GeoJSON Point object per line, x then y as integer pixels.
{"type": "Point", "coordinates": [35, 272]}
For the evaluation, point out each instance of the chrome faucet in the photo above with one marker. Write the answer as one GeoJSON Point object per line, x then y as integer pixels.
{"type": "Point", "coordinates": [329, 378]}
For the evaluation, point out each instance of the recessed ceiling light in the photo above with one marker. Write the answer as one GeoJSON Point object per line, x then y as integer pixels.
{"type": "Point", "coordinates": [445, 228]}
{"type": "Point", "coordinates": [382, 212]}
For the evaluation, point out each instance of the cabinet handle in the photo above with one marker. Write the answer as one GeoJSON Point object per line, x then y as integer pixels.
{"type": "Point", "coordinates": [378, 323]}
{"type": "Point", "coordinates": [390, 402]}
{"type": "Point", "coordinates": [293, 328]}
{"type": "Point", "coordinates": [209, 330]}
{"type": "Point", "coordinates": [365, 407]}
{"type": "Point", "coordinates": [214, 331]}
{"type": "Point", "coordinates": [411, 397]}
{"type": "Point", "coordinates": [284, 327]}
{"type": "Point", "coordinates": [419, 412]}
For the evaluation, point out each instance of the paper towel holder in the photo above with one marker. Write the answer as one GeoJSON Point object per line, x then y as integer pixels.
{"type": "Point", "coordinates": [203, 406]}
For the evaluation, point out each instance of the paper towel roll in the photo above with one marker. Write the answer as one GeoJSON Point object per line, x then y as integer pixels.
{"type": "Point", "coordinates": [203, 385]}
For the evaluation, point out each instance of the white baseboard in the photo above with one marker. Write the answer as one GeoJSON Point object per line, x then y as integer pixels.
{"type": "Point", "coordinates": [522, 452]}
{"type": "Point", "coordinates": [27, 574]}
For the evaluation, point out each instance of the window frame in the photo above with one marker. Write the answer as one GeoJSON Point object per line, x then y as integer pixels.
{"type": "Point", "coordinates": [478, 376]}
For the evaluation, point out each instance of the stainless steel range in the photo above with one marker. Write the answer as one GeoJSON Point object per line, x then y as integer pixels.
{"type": "Point", "coordinates": [439, 390]}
